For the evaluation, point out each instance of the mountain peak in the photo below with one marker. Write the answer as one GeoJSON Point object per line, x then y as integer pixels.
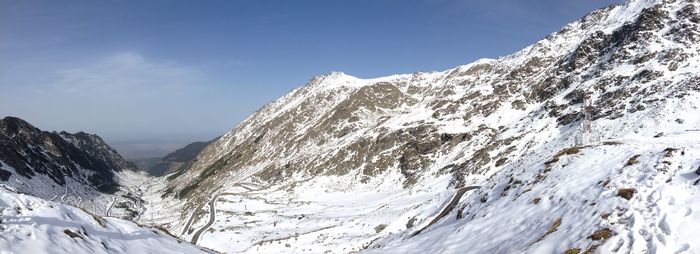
{"type": "Point", "coordinates": [13, 124]}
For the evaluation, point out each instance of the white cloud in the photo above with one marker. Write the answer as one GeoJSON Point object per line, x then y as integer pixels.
{"type": "Point", "coordinates": [118, 95]}
{"type": "Point", "coordinates": [127, 73]}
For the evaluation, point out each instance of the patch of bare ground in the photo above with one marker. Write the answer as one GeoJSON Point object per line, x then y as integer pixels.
{"type": "Point", "coordinates": [626, 193]}
{"type": "Point", "coordinates": [553, 228]}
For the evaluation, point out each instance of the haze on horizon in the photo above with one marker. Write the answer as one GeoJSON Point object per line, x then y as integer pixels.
{"type": "Point", "coordinates": [177, 71]}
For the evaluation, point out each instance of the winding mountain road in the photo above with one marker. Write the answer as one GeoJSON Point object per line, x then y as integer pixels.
{"type": "Point", "coordinates": [212, 217]}
{"type": "Point", "coordinates": [448, 208]}
{"type": "Point", "coordinates": [212, 211]}
{"type": "Point", "coordinates": [189, 222]}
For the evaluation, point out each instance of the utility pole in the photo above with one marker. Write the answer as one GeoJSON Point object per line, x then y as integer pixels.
{"type": "Point", "coordinates": [586, 132]}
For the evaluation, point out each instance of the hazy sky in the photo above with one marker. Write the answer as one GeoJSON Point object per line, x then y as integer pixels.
{"type": "Point", "coordinates": [192, 69]}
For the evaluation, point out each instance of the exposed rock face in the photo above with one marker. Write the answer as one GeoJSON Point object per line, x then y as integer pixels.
{"type": "Point", "coordinates": [76, 169]}
{"type": "Point", "coordinates": [469, 121]}
{"type": "Point", "coordinates": [33, 152]}
{"type": "Point", "coordinates": [58, 156]}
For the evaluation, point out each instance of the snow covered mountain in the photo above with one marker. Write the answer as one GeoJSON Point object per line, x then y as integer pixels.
{"type": "Point", "coordinates": [345, 164]}
{"type": "Point", "coordinates": [78, 169]}
{"type": "Point", "coordinates": [34, 225]}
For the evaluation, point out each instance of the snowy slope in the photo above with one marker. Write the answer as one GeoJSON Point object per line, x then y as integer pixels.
{"type": "Point", "coordinates": [401, 146]}
{"type": "Point", "coordinates": [33, 225]}
{"type": "Point", "coordinates": [318, 217]}
{"type": "Point", "coordinates": [548, 206]}
{"type": "Point", "coordinates": [77, 169]}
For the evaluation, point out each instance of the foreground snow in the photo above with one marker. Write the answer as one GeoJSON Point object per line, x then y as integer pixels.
{"type": "Point", "coordinates": [33, 225]}
{"type": "Point", "coordinates": [579, 202]}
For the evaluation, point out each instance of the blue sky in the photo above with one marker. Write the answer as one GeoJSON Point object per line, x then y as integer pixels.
{"type": "Point", "coordinates": [191, 70]}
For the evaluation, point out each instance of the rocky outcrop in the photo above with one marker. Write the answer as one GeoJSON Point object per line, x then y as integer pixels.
{"type": "Point", "coordinates": [31, 152]}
